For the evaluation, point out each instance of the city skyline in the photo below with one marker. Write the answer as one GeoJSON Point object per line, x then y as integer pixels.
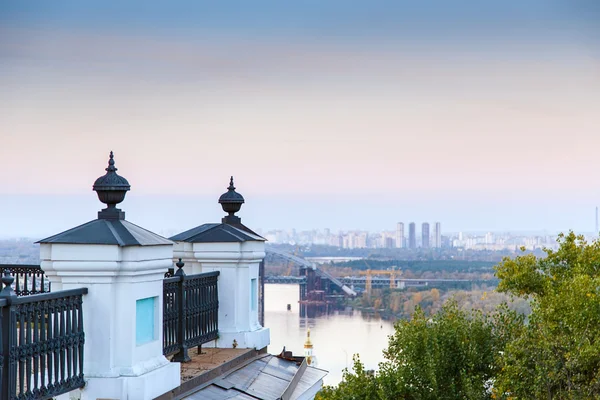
{"type": "Point", "coordinates": [41, 215]}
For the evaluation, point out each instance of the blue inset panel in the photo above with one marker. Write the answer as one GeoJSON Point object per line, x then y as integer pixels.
{"type": "Point", "coordinates": [253, 294]}
{"type": "Point", "coordinates": [144, 320]}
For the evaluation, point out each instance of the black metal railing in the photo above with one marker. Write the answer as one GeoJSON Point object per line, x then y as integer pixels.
{"type": "Point", "coordinates": [41, 343]}
{"type": "Point", "coordinates": [29, 279]}
{"type": "Point", "coordinates": [190, 312]}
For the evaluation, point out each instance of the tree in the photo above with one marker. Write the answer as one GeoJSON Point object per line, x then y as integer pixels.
{"type": "Point", "coordinates": [448, 356]}
{"type": "Point", "coordinates": [556, 355]}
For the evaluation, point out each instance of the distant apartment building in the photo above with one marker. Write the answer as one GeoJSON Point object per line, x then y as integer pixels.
{"type": "Point", "coordinates": [389, 242]}
{"type": "Point", "coordinates": [412, 236]}
{"type": "Point", "coordinates": [355, 240]}
{"type": "Point", "coordinates": [425, 235]}
{"type": "Point", "coordinates": [361, 240]}
{"type": "Point", "coordinates": [437, 235]}
{"type": "Point", "coordinates": [400, 235]}
{"type": "Point", "coordinates": [336, 240]}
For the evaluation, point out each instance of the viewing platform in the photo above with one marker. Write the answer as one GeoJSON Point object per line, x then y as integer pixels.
{"type": "Point", "coordinates": [115, 311]}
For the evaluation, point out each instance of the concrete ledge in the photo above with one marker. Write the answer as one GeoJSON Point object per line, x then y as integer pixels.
{"type": "Point", "coordinates": [257, 339]}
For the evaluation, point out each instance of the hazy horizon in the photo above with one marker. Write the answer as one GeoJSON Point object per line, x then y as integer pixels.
{"type": "Point", "coordinates": [347, 115]}
{"type": "Point", "coordinates": [39, 216]}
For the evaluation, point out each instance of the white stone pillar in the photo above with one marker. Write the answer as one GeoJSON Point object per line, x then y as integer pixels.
{"type": "Point", "coordinates": [236, 252]}
{"type": "Point", "coordinates": [122, 315]}
{"type": "Point", "coordinates": [238, 264]}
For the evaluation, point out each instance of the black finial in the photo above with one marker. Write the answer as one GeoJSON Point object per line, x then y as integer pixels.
{"type": "Point", "coordinates": [7, 280]}
{"type": "Point", "coordinates": [231, 201]}
{"type": "Point", "coordinates": [111, 162]}
{"type": "Point", "coordinates": [111, 189]}
{"type": "Point", "coordinates": [180, 265]}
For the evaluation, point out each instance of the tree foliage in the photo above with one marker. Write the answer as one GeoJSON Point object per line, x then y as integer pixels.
{"type": "Point", "coordinates": [448, 356]}
{"type": "Point", "coordinates": [460, 354]}
{"type": "Point", "coordinates": [557, 354]}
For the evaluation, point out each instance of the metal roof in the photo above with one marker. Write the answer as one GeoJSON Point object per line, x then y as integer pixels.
{"type": "Point", "coordinates": [108, 231]}
{"type": "Point", "coordinates": [213, 233]}
{"type": "Point", "coordinates": [264, 378]}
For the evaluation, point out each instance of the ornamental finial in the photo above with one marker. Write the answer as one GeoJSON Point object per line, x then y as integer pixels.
{"type": "Point", "coordinates": [111, 162]}
{"type": "Point", "coordinates": [231, 201]}
{"type": "Point", "coordinates": [7, 280]}
{"type": "Point", "coordinates": [180, 265]}
{"type": "Point", "coordinates": [111, 189]}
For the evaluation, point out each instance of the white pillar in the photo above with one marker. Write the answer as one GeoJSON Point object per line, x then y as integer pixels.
{"type": "Point", "coordinates": [122, 315]}
{"type": "Point", "coordinates": [238, 287]}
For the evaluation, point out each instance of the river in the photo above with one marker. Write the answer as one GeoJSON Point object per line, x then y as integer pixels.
{"type": "Point", "coordinates": [336, 337]}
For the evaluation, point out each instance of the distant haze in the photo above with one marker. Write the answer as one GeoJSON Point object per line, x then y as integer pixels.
{"type": "Point", "coordinates": [336, 114]}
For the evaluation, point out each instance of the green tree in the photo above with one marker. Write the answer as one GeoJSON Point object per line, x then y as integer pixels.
{"type": "Point", "coordinates": [556, 355]}
{"type": "Point", "coordinates": [447, 356]}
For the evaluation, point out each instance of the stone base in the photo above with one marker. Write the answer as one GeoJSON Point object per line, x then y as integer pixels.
{"type": "Point", "coordinates": [142, 387]}
{"type": "Point", "coordinates": [258, 339]}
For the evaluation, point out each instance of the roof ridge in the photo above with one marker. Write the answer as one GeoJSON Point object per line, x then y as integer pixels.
{"type": "Point", "coordinates": [114, 232]}
{"type": "Point", "coordinates": [142, 228]}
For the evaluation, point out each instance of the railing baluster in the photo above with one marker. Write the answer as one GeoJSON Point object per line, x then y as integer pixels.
{"type": "Point", "coordinates": [80, 334]}
{"type": "Point", "coordinates": [63, 341]}
{"type": "Point", "coordinates": [50, 341]}
{"type": "Point", "coordinates": [73, 337]}
{"type": "Point", "coordinates": [21, 344]}
{"type": "Point", "coordinates": [67, 335]}
{"type": "Point", "coordinates": [43, 343]}
{"type": "Point", "coordinates": [56, 341]}
{"type": "Point", "coordinates": [29, 344]}
{"type": "Point", "coordinates": [18, 285]}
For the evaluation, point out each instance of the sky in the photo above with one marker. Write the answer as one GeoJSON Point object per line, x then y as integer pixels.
{"type": "Point", "coordinates": [338, 114]}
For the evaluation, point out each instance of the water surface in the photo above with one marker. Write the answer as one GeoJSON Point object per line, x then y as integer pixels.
{"type": "Point", "coordinates": [336, 337]}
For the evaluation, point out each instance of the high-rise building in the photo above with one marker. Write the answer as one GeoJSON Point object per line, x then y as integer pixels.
{"type": "Point", "coordinates": [412, 237]}
{"type": "Point", "coordinates": [388, 243]}
{"type": "Point", "coordinates": [425, 235]}
{"type": "Point", "coordinates": [437, 235]}
{"type": "Point", "coordinates": [400, 234]}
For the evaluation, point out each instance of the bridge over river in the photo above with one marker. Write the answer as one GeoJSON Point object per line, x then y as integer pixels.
{"type": "Point", "coordinates": [316, 285]}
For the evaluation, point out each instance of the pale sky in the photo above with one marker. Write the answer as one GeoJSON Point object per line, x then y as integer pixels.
{"type": "Point", "coordinates": [329, 114]}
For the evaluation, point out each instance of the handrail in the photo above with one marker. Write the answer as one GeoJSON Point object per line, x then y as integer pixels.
{"type": "Point", "coordinates": [26, 266]}
{"type": "Point", "coordinates": [50, 296]}
{"type": "Point", "coordinates": [202, 275]}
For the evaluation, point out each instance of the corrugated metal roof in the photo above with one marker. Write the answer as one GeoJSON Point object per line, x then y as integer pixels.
{"type": "Point", "coordinates": [243, 377]}
{"type": "Point", "coordinates": [214, 393]}
{"type": "Point", "coordinates": [213, 233]}
{"type": "Point", "coordinates": [267, 387]}
{"type": "Point", "coordinates": [111, 232]}
{"type": "Point", "coordinates": [310, 377]}
{"type": "Point", "coordinates": [264, 378]}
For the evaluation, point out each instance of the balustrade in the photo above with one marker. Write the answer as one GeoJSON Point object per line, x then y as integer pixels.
{"type": "Point", "coordinates": [29, 279]}
{"type": "Point", "coordinates": [41, 342]}
{"type": "Point", "coordinates": [190, 312]}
